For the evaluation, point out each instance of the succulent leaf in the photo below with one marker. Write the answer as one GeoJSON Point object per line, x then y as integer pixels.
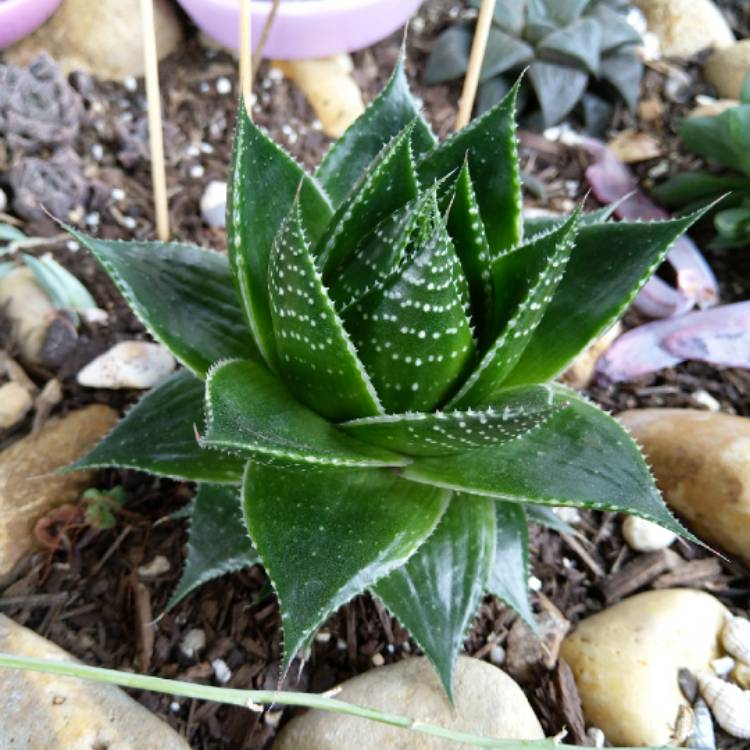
{"type": "Point", "coordinates": [595, 291]}
{"type": "Point", "coordinates": [534, 269]}
{"type": "Point", "coordinates": [555, 12]}
{"type": "Point", "coordinates": [218, 542]}
{"type": "Point", "coordinates": [183, 294]}
{"type": "Point", "coordinates": [412, 333]}
{"type": "Point", "coordinates": [467, 232]}
{"type": "Point", "coordinates": [580, 456]}
{"type": "Point", "coordinates": [616, 31]}
{"type": "Point", "coordinates": [503, 53]}
{"type": "Point", "coordinates": [449, 57]}
{"type": "Point", "coordinates": [624, 71]}
{"type": "Point", "coordinates": [488, 145]}
{"type": "Point", "coordinates": [581, 40]}
{"type": "Point", "coordinates": [249, 412]}
{"type": "Point", "coordinates": [317, 359]}
{"type": "Point", "coordinates": [326, 535]}
{"type": "Point", "coordinates": [437, 592]}
{"type": "Point", "coordinates": [688, 187]}
{"type": "Point", "coordinates": [158, 436]}
{"type": "Point", "coordinates": [261, 169]}
{"type": "Point", "coordinates": [388, 114]}
{"type": "Point", "coordinates": [509, 573]}
{"type": "Point", "coordinates": [512, 413]}
{"type": "Point", "coordinates": [547, 517]}
{"type": "Point", "coordinates": [558, 88]}
{"type": "Point", "coordinates": [388, 185]}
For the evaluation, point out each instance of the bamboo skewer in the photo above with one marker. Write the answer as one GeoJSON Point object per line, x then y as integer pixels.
{"type": "Point", "coordinates": [155, 133]}
{"type": "Point", "coordinates": [478, 48]}
{"type": "Point", "coordinates": [246, 56]}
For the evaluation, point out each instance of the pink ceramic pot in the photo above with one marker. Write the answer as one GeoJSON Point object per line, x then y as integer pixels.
{"type": "Point", "coordinates": [20, 17]}
{"type": "Point", "coordinates": [304, 28]}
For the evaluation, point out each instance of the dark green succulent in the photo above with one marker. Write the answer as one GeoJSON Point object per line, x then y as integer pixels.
{"type": "Point", "coordinates": [725, 140]}
{"type": "Point", "coordinates": [366, 403]}
{"type": "Point", "coordinates": [566, 44]}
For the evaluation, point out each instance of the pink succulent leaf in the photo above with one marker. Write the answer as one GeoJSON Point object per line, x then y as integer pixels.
{"type": "Point", "coordinates": [612, 182]}
{"type": "Point", "coordinates": [720, 336]}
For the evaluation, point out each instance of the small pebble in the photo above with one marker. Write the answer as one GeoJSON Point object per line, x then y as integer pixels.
{"type": "Point", "coordinates": [193, 642]}
{"type": "Point", "coordinates": [596, 736]}
{"type": "Point", "coordinates": [535, 584]}
{"type": "Point", "coordinates": [97, 151]}
{"type": "Point", "coordinates": [73, 246]}
{"type": "Point", "coordinates": [157, 567]}
{"type": "Point", "coordinates": [130, 364]}
{"type": "Point", "coordinates": [646, 536]}
{"type": "Point", "coordinates": [323, 637]}
{"type": "Point", "coordinates": [117, 194]}
{"type": "Point", "coordinates": [272, 718]}
{"type": "Point", "coordinates": [704, 398]}
{"type": "Point", "coordinates": [92, 219]}
{"type": "Point", "coordinates": [497, 654]}
{"type": "Point", "coordinates": [197, 171]}
{"type": "Point", "coordinates": [221, 671]}
{"type": "Point", "coordinates": [223, 86]}
{"type": "Point", "coordinates": [193, 150]}
{"type": "Point", "coordinates": [3, 200]}
{"type": "Point", "coordinates": [130, 84]}
{"type": "Point", "coordinates": [15, 404]}
{"type": "Point", "coordinates": [175, 707]}
{"type": "Point", "coordinates": [214, 204]}
{"type": "Point", "coordinates": [567, 515]}
{"type": "Point", "coordinates": [377, 660]}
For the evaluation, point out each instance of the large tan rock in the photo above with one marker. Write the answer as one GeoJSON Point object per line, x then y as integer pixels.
{"type": "Point", "coordinates": [103, 38]}
{"type": "Point", "coordinates": [581, 370]}
{"type": "Point", "coordinates": [686, 27]}
{"type": "Point", "coordinates": [626, 660]}
{"type": "Point", "coordinates": [29, 486]}
{"type": "Point", "coordinates": [487, 702]}
{"type": "Point", "coordinates": [701, 461]}
{"type": "Point", "coordinates": [41, 711]}
{"type": "Point", "coordinates": [727, 68]}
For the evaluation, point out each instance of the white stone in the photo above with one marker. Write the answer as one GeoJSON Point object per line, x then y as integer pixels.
{"type": "Point", "coordinates": [193, 642]}
{"type": "Point", "coordinates": [626, 661]}
{"type": "Point", "coordinates": [129, 364]}
{"type": "Point", "coordinates": [727, 68]}
{"type": "Point", "coordinates": [487, 702]}
{"type": "Point", "coordinates": [157, 567]}
{"type": "Point", "coordinates": [214, 204]}
{"type": "Point", "coordinates": [221, 671]}
{"type": "Point", "coordinates": [15, 404]}
{"type": "Point", "coordinates": [686, 27]}
{"type": "Point", "coordinates": [45, 712]}
{"type": "Point", "coordinates": [646, 536]}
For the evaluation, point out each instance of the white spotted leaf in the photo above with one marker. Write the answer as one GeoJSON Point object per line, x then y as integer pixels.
{"type": "Point", "coordinates": [316, 357]}
{"type": "Point", "coordinates": [249, 412]}
{"type": "Point", "coordinates": [324, 536]}
{"type": "Point", "coordinates": [511, 414]}
{"type": "Point", "coordinates": [436, 594]}
{"type": "Point", "coordinates": [412, 333]}
{"type": "Point", "coordinates": [263, 183]}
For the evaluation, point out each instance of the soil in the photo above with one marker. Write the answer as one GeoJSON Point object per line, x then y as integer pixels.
{"type": "Point", "coordinates": [85, 594]}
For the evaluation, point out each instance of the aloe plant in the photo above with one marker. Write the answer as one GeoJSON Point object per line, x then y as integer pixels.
{"type": "Point", "coordinates": [568, 47]}
{"type": "Point", "coordinates": [366, 402]}
{"type": "Point", "coordinates": [723, 139]}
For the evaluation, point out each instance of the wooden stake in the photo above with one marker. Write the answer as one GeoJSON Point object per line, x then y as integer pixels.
{"type": "Point", "coordinates": [155, 134]}
{"type": "Point", "coordinates": [258, 56]}
{"type": "Point", "coordinates": [246, 56]}
{"type": "Point", "coordinates": [478, 47]}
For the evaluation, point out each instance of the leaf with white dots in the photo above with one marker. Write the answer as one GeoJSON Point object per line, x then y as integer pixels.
{"type": "Point", "coordinates": [316, 357]}
{"type": "Point", "coordinates": [509, 574]}
{"type": "Point", "coordinates": [377, 256]}
{"type": "Point", "coordinates": [391, 111]}
{"type": "Point", "coordinates": [388, 185]}
{"type": "Point", "coordinates": [536, 268]}
{"type": "Point", "coordinates": [512, 413]}
{"type": "Point", "coordinates": [608, 266]}
{"type": "Point", "coordinates": [263, 183]}
{"type": "Point", "coordinates": [248, 411]}
{"type": "Point", "coordinates": [488, 144]}
{"type": "Point", "coordinates": [580, 456]}
{"type": "Point", "coordinates": [412, 333]}
{"type": "Point", "coordinates": [467, 232]}
{"type": "Point", "coordinates": [157, 435]}
{"type": "Point", "coordinates": [326, 535]}
{"type": "Point", "coordinates": [437, 593]}
{"type": "Point", "coordinates": [218, 542]}
{"type": "Point", "coordinates": [183, 294]}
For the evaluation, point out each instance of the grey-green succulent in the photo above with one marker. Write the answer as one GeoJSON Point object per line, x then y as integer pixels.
{"type": "Point", "coordinates": [569, 46]}
{"type": "Point", "coordinates": [366, 402]}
